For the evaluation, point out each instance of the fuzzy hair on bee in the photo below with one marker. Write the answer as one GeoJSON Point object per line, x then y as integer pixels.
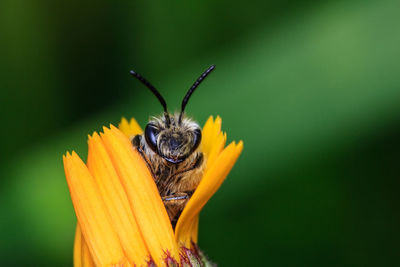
{"type": "Point", "coordinates": [170, 147]}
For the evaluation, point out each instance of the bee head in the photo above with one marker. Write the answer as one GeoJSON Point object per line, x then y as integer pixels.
{"type": "Point", "coordinates": [175, 142]}
{"type": "Point", "coordinates": [176, 137]}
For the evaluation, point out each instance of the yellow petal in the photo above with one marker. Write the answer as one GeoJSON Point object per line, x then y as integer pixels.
{"type": "Point", "coordinates": [116, 201]}
{"type": "Point", "coordinates": [143, 195]}
{"type": "Point", "coordinates": [91, 213]}
{"type": "Point", "coordinates": [131, 128]}
{"type": "Point", "coordinates": [211, 131]}
{"type": "Point", "coordinates": [82, 257]}
{"type": "Point", "coordinates": [217, 148]}
{"type": "Point", "coordinates": [195, 228]}
{"type": "Point", "coordinates": [205, 145]}
{"type": "Point", "coordinates": [78, 247]}
{"type": "Point", "coordinates": [87, 260]}
{"type": "Point", "coordinates": [186, 228]}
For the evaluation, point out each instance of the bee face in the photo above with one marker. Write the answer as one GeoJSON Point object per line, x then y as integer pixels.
{"type": "Point", "coordinates": [175, 141]}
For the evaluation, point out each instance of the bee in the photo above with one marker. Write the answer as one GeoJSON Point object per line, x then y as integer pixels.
{"type": "Point", "coordinates": [170, 147]}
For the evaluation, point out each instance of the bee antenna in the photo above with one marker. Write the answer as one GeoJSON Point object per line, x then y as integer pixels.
{"type": "Point", "coordinates": [155, 92]}
{"type": "Point", "coordinates": [194, 86]}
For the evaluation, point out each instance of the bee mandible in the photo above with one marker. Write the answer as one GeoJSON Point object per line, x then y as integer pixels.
{"type": "Point", "coordinates": [170, 147]}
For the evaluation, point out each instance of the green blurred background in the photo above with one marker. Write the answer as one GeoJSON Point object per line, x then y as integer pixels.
{"type": "Point", "coordinates": [312, 87]}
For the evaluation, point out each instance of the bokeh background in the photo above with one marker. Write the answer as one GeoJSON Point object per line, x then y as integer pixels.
{"type": "Point", "coordinates": [312, 87]}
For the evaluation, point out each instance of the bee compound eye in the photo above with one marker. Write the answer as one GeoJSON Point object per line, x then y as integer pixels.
{"type": "Point", "coordinates": [150, 133]}
{"type": "Point", "coordinates": [196, 139]}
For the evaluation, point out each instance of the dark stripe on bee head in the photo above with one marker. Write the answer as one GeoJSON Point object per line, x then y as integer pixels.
{"type": "Point", "coordinates": [155, 92]}
{"type": "Point", "coordinates": [194, 86]}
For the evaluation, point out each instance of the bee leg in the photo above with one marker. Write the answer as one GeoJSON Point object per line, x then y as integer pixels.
{"type": "Point", "coordinates": [175, 197]}
{"type": "Point", "coordinates": [136, 140]}
{"type": "Point", "coordinates": [136, 144]}
{"type": "Point", "coordinates": [174, 205]}
{"type": "Point", "coordinates": [199, 161]}
{"type": "Point", "coordinates": [196, 165]}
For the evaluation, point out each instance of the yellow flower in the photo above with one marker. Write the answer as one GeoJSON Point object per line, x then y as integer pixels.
{"type": "Point", "coordinates": [122, 220]}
